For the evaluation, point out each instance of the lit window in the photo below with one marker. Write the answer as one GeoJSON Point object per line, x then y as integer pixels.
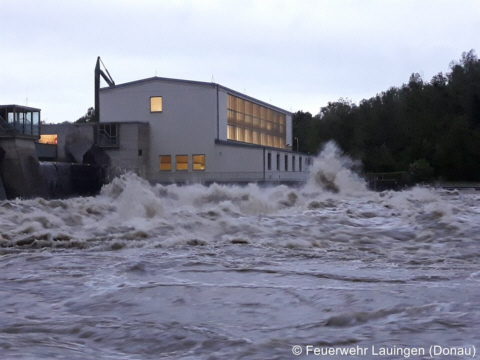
{"type": "Point", "coordinates": [48, 139]}
{"type": "Point", "coordinates": [182, 162]}
{"type": "Point", "coordinates": [255, 124]}
{"type": "Point", "coordinates": [231, 132]}
{"type": "Point", "coordinates": [165, 163]}
{"type": "Point", "coordinates": [198, 162]}
{"type": "Point", "coordinates": [156, 104]}
{"type": "Point", "coordinates": [256, 137]}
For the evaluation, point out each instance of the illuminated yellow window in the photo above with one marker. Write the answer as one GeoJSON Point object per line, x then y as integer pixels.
{"type": "Point", "coordinates": [255, 124]}
{"type": "Point", "coordinates": [165, 162]}
{"type": "Point", "coordinates": [48, 139]}
{"type": "Point", "coordinates": [263, 139]}
{"type": "Point", "coordinates": [240, 134]}
{"type": "Point", "coordinates": [182, 162]}
{"type": "Point", "coordinates": [248, 136]}
{"type": "Point", "coordinates": [231, 132]}
{"type": "Point", "coordinates": [198, 162]}
{"type": "Point", "coordinates": [156, 104]}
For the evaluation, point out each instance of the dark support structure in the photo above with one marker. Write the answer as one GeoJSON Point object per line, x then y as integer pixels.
{"type": "Point", "coordinates": [19, 165]}
{"type": "Point", "coordinates": [99, 72]}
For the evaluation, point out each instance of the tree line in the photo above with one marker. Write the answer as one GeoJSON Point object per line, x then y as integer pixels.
{"type": "Point", "coordinates": [430, 130]}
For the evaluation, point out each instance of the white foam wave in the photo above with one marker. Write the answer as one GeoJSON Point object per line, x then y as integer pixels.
{"type": "Point", "coordinates": [333, 171]}
{"type": "Point", "coordinates": [333, 210]}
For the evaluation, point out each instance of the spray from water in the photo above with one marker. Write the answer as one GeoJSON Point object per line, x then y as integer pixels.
{"type": "Point", "coordinates": [332, 207]}
{"type": "Point", "coordinates": [333, 171]}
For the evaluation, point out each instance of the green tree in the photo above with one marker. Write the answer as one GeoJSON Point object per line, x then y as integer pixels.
{"type": "Point", "coordinates": [431, 129]}
{"type": "Point", "coordinates": [89, 117]}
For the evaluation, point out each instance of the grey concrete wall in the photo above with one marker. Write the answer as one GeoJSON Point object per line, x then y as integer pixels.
{"type": "Point", "coordinates": [222, 114]}
{"type": "Point", "coordinates": [289, 131]}
{"type": "Point", "coordinates": [73, 140]}
{"type": "Point", "coordinates": [132, 152]}
{"type": "Point", "coordinates": [238, 159]}
{"type": "Point", "coordinates": [46, 151]}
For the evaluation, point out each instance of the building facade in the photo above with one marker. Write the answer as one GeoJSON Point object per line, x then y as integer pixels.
{"type": "Point", "coordinates": [198, 132]}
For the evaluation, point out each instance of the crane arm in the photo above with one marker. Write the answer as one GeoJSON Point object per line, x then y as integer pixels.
{"type": "Point", "coordinates": [108, 78]}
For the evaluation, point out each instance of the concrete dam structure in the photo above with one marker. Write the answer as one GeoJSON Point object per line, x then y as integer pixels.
{"type": "Point", "coordinates": [23, 175]}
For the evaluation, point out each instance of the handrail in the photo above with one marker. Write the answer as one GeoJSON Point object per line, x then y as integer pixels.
{"type": "Point", "coordinates": [108, 135]}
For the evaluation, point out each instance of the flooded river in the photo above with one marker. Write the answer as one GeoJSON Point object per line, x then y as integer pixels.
{"type": "Point", "coordinates": [327, 270]}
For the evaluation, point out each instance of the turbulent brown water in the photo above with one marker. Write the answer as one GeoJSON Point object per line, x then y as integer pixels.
{"type": "Point", "coordinates": [229, 272]}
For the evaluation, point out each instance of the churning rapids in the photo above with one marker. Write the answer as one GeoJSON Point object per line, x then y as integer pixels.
{"type": "Point", "coordinates": [230, 272]}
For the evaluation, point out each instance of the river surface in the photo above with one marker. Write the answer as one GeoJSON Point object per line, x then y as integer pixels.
{"type": "Point", "coordinates": [230, 272]}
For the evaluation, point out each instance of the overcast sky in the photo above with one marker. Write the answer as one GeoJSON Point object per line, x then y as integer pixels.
{"type": "Point", "coordinates": [295, 54]}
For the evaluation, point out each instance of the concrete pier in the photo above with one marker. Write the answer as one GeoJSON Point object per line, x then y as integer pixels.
{"type": "Point", "coordinates": [3, 195]}
{"type": "Point", "coordinates": [20, 168]}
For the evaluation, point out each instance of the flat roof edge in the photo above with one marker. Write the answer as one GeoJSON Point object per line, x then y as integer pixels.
{"type": "Point", "coordinates": [19, 106]}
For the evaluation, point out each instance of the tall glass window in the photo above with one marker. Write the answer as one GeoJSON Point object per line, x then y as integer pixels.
{"type": "Point", "coordinates": [255, 124]}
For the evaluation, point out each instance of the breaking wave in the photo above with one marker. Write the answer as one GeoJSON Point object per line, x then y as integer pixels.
{"type": "Point", "coordinates": [333, 211]}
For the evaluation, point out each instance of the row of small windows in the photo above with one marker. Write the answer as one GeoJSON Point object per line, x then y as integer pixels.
{"type": "Point", "coordinates": [181, 162]}
{"type": "Point", "coordinates": [255, 124]}
{"type": "Point", "coordinates": [301, 162]}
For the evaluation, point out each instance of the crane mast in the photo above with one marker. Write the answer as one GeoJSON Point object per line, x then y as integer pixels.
{"type": "Point", "coordinates": [108, 78]}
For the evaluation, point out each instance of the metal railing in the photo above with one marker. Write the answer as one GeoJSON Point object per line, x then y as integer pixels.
{"type": "Point", "coordinates": [108, 135]}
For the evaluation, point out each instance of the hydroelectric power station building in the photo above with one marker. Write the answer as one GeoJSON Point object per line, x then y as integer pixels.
{"type": "Point", "coordinates": [171, 130]}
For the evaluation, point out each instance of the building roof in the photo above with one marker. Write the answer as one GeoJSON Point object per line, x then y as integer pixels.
{"type": "Point", "coordinates": [19, 107]}
{"type": "Point", "coordinates": [197, 83]}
